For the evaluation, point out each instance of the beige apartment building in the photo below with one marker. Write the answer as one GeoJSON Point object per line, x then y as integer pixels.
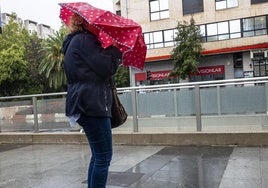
{"type": "Point", "coordinates": [234, 33]}
{"type": "Point", "coordinates": [42, 30]}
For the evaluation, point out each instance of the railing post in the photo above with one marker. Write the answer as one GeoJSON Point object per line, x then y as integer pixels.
{"type": "Point", "coordinates": [266, 96]}
{"type": "Point", "coordinates": [219, 100]}
{"type": "Point", "coordinates": [36, 126]}
{"type": "Point", "coordinates": [134, 110]}
{"type": "Point", "coordinates": [198, 108]}
{"type": "Point", "coordinates": [175, 103]}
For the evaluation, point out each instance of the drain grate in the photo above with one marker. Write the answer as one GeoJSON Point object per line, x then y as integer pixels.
{"type": "Point", "coordinates": [123, 179]}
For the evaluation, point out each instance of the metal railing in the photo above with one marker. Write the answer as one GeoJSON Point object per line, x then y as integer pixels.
{"type": "Point", "coordinates": [164, 103]}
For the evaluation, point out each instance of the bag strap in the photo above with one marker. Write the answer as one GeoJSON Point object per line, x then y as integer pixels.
{"type": "Point", "coordinates": [112, 82]}
{"type": "Point", "coordinates": [115, 97]}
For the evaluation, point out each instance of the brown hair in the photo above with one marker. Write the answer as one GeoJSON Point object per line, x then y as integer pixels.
{"type": "Point", "coordinates": [77, 23]}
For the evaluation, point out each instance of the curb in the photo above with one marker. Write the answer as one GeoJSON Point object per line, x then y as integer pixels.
{"type": "Point", "coordinates": [176, 139]}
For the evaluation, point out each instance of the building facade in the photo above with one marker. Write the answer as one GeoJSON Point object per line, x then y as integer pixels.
{"type": "Point", "coordinates": [43, 31]}
{"type": "Point", "coordinates": [234, 33]}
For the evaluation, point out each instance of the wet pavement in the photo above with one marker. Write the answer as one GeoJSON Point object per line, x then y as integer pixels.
{"type": "Point", "coordinates": [65, 166]}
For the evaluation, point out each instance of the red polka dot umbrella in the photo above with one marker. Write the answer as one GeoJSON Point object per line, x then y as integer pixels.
{"type": "Point", "coordinates": [111, 28]}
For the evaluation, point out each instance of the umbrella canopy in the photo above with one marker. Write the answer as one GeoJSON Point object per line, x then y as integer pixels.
{"type": "Point", "coordinates": [111, 28]}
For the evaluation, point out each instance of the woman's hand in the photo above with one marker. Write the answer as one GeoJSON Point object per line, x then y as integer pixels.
{"type": "Point", "coordinates": [115, 44]}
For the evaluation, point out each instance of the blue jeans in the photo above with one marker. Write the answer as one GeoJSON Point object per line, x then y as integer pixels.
{"type": "Point", "coordinates": [99, 135]}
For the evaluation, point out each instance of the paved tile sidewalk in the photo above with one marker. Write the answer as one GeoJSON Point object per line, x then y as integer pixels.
{"type": "Point", "coordinates": [65, 166]}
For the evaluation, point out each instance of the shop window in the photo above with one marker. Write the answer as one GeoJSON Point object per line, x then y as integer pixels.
{"type": "Point", "coordinates": [260, 64]}
{"type": "Point", "coordinates": [192, 6]}
{"type": "Point", "coordinates": [258, 1]}
{"type": "Point", "coordinates": [238, 65]}
{"type": "Point", "coordinates": [199, 78]}
{"type": "Point", "coordinates": [164, 81]}
{"type": "Point", "coordinates": [224, 4]}
{"type": "Point", "coordinates": [159, 9]}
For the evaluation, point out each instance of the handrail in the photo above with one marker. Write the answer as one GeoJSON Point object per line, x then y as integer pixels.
{"type": "Point", "coordinates": [192, 84]}
{"type": "Point", "coordinates": [34, 95]}
{"type": "Point", "coordinates": [163, 86]}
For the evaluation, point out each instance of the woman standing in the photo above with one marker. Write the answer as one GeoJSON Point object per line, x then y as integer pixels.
{"type": "Point", "coordinates": [89, 69]}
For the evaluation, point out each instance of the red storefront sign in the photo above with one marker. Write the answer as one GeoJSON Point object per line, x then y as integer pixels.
{"type": "Point", "coordinates": [161, 75]}
{"type": "Point", "coordinates": [157, 75]}
{"type": "Point", "coordinates": [210, 70]}
{"type": "Point", "coordinates": [140, 76]}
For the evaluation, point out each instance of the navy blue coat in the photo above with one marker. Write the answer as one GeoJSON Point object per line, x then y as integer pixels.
{"type": "Point", "coordinates": [89, 68]}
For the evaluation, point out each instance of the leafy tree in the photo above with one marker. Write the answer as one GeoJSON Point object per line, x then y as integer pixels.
{"type": "Point", "coordinates": [52, 64]}
{"type": "Point", "coordinates": [187, 51]}
{"type": "Point", "coordinates": [13, 66]}
{"type": "Point", "coordinates": [122, 77]}
{"type": "Point", "coordinates": [36, 83]}
{"type": "Point", "coordinates": [13, 70]}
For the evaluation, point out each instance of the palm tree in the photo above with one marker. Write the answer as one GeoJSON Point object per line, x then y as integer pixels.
{"type": "Point", "coordinates": [52, 64]}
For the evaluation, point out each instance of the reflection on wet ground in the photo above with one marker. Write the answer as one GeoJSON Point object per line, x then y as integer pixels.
{"type": "Point", "coordinates": [65, 166]}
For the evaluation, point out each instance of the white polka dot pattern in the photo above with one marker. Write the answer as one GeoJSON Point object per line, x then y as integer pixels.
{"type": "Point", "coordinates": [111, 28]}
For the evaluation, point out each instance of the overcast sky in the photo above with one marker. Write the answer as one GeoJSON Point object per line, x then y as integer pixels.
{"type": "Point", "coordinates": [45, 11]}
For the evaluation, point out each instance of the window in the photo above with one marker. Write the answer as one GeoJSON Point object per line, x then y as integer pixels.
{"type": "Point", "coordinates": [254, 26]}
{"type": "Point", "coordinates": [159, 39]}
{"type": "Point", "coordinates": [212, 32]}
{"type": "Point", "coordinates": [224, 4]}
{"type": "Point", "coordinates": [118, 12]}
{"type": "Point", "coordinates": [235, 29]}
{"type": "Point", "coordinates": [223, 30]}
{"type": "Point", "coordinates": [192, 6]}
{"type": "Point", "coordinates": [260, 25]}
{"type": "Point", "coordinates": [258, 1]}
{"type": "Point", "coordinates": [154, 39]}
{"type": "Point", "coordinates": [203, 32]}
{"type": "Point", "coordinates": [159, 9]}
{"type": "Point", "coordinates": [217, 31]}
{"type": "Point", "coordinates": [169, 36]}
{"type": "Point", "coordinates": [248, 27]}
